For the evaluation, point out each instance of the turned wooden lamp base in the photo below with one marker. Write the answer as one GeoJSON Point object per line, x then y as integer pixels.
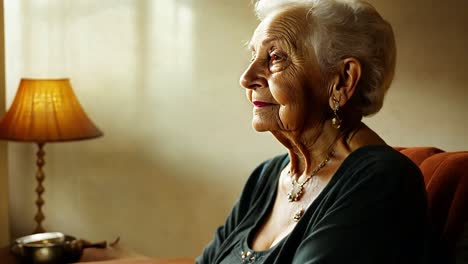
{"type": "Point", "coordinates": [39, 189]}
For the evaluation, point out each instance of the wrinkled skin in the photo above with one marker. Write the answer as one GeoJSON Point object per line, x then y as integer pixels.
{"type": "Point", "coordinates": [284, 74]}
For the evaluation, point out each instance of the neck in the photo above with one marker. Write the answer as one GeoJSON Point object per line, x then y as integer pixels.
{"type": "Point", "coordinates": [308, 147]}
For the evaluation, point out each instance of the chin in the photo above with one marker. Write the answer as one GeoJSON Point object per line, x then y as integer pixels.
{"type": "Point", "coordinates": [259, 128]}
{"type": "Point", "coordinates": [262, 125]}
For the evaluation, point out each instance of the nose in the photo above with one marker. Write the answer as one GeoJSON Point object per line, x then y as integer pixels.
{"type": "Point", "coordinates": [253, 77]}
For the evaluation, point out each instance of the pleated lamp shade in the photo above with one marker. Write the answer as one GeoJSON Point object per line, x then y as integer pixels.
{"type": "Point", "coordinates": [46, 110]}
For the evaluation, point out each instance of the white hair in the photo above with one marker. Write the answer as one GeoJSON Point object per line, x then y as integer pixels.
{"type": "Point", "coordinates": [343, 29]}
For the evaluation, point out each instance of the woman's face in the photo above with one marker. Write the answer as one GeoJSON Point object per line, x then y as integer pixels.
{"type": "Point", "coordinates": [283, 79]}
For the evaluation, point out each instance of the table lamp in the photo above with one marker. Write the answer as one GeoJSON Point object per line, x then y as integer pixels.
{"type": "Point", "coordinates": [45, 110]}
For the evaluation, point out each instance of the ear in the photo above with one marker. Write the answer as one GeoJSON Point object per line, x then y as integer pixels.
{"type": "Point", "coordinates": [344, 83]}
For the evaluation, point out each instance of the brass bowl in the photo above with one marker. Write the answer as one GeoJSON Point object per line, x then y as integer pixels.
{"type": "Point", "coordinates": [45, 248]}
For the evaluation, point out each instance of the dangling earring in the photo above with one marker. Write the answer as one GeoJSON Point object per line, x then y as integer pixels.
{"type": "Point", "coordinates": [336, 121]}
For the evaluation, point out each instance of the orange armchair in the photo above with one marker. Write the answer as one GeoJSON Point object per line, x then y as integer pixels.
{"type": "Point", "coordinates": [446, 178]}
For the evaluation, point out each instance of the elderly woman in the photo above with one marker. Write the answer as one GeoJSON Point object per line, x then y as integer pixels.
{"type": "Point", "coordinates": [340, 194]}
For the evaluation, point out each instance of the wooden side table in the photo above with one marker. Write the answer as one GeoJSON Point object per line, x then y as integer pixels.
{"type": "Point", "coordinates": [109, 255]}
{"type": "Point", "coordinates": [6, 257]}
{"type": "Point", "coordinates": [89, 254]}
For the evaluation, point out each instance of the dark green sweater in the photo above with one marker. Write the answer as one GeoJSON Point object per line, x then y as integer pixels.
{"type": "Point", "coordinates": [373, 211]}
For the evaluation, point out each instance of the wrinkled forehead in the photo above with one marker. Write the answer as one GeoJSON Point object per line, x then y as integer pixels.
{"type": "Point", "coordinates": [288, 25]}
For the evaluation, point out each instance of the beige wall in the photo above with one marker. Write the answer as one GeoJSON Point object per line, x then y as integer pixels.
{"type": "Point", "coordinates": [160, 78]}
{"type": "Point", "coordinates": [4, 216]}
{"type": "Point", "coordinates": [427, 104]}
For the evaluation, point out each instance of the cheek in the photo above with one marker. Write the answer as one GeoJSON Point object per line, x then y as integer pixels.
{"type": "Point", "coordinates": [292, 117]}
{"type": "Point", "coordinates": [286, 88]}
{"type": "Point", "coordinates": [289, 91]}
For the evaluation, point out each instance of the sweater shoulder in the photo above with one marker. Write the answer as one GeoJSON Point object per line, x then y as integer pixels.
{"type": "Point", "coordinates": [382, 158]}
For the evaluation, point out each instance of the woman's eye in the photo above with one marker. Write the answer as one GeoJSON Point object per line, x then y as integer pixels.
{"type": "Point", "coordinates": [278, 60]}
{"type": "Point", "coordinates": [277, 57]}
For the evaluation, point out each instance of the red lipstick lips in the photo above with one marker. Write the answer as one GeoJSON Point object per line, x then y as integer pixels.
{"type": "Point", "coordinates": [261, 104]}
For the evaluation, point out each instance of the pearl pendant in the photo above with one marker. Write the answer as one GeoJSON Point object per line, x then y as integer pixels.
{"type": "Point", "coordinates": [298, 215]}
{"type": "Point", "coordinates": [295, 193]}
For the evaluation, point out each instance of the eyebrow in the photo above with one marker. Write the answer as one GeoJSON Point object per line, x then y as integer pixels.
{"type": "Point", "coordinates": [264, 42]}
